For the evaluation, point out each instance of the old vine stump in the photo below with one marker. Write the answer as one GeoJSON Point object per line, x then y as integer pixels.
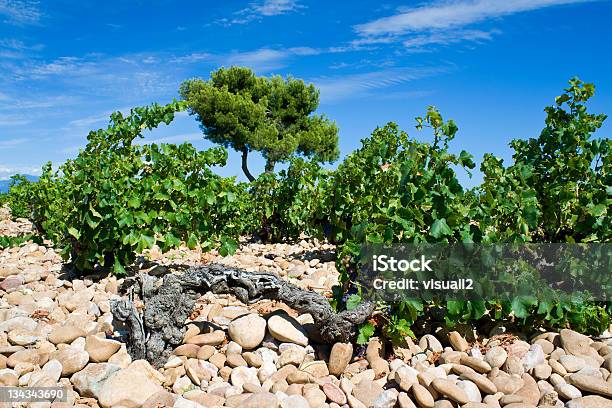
{"type": "Point", "coordinates": [155, 330]}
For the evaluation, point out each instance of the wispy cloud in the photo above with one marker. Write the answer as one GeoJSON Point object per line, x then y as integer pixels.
{"type": "Point", "coordinates": [136, 75]}
{"type": "Point", "coordinates": [263, 59]}
{"type": "Point", "coordinates": [334, 89]}
{"type": "Point", "coordinates": [88, 121]}
{"type": "Point", "coordinates": [13, 120]}
{"type": "Point", "coordinates": [259, 10]}
{"type": "Point", "coordinates": [20, 12]}
{"type": "Point", "coordinates": [417, 43]}
{"type": "Point", "coordinates": [98, 119]}
{"type": "Point", "coordinates": [6, 171]}
{"type": "Point", "coordinates": [62, 65]}
{"type": "Point", "coordinates": [14, 103]}
{"type": "Point", "coordinates": [267, 59]}
{"type": "Point", "coordinates": [12, 142]}
{"type": "Point", "coordinates": [275, 7]}
{"type": "Point", "coordinates": [454, 13]}
{"type": "Point", "coordinates": [443, 22]}
{"type": "Point", "coordinates": [192, 58]}
{"type": "Point", "coordinates": [11, 48]}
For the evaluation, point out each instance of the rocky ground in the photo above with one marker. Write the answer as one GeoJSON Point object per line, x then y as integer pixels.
{"type": "Point", "coordinates": [55, 331]}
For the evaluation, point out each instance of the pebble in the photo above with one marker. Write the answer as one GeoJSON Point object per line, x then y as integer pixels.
{"type": "Point", "coordinates": [367, 391]}
{"type": "Point", "coordinates": [248, 330]}
{"type": "Point", "coordinates": [71, 359]}
{"type": "Point", "coordinates": [572, 363]}
{"type": "Point", "coordinates": [591, 384]}
{"type": "Point", "coordinates": [529, 391]}
{"type": "Point", "coordinates": [65, 334]}
{"type": "Point", "coordinates": [211, 339]}
{"type": "Point", "coordinates": [533, 357]}
{"type": "Point", "coordinates": [387, 399]}
{"type": "Point", "coordinates": [575, 343]}
{"type": "Point", "coordinates": [542, 371]}
{"type": "Point", "coordinates": [260, 400]}
{"type": "Point", "coordinates": [286, 329]}
{"type": "Point", "coordinates": [471, 390]}
{"type": "Point", "coordinates": [567, 391]}
{"type": "Point", "coordinates": [21, 337]}
{"type": "Point", "coordinates": [294, 401]}
{"type": "Point", "coordinates": [32, 356]}
{"type": "Point", "coordinates": [242, 375]}
{"type": "Point", "coordinates": [55, 331]}
{"type": "Point", "coordinates": [89, 380]}
{"type": "Point", "coordinates": [482, 382]}
{"type": "Point", "coordinates": [339, 358]}
{"type": "Point", "coordinates": [457, 341]}
{"type": "Point", "coordinates": [100, 349]}
{"type": "Point", "coordinates": [128, 388]}
{"type": "Point", "coordinates": [590, 401]}
{"type": "Point", "coordinates": [476, 363]}
{"type": "Point", "coordinates": [315, 397]}
{"type": "Point", "coordinates": [422, 396]}
{"type": "Point", "coordinates": [205, 352]}
{"type": "Point", "coordinates": [431, 343]}
{"type": "Point", "coordinates": [334, 393]}
{"type": "Point", "coordinates": [450, 390]}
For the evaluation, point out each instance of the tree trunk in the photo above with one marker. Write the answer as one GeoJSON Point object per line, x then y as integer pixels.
{"type": "Point", "coordinates": [245, 167]}
{"type": "Point", "coordinates": [154, 332]}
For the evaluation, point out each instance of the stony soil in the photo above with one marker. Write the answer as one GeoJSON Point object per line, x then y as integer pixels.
{"type": "Point", "coordinates": [56, 331]}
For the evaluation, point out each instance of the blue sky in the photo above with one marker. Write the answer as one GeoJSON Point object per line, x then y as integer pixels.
{"type": "Point", "coordinates": [492, 65]}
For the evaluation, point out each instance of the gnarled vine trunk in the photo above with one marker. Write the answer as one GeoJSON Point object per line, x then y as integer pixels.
{"type": "Point", "coordinates": [155, 331]}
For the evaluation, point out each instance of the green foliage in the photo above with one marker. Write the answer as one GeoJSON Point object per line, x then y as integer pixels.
{"type": "Point", "coordinates": [116, 198]}
{"type": "Point", "coordinates": [559, 188]}
{"type": "Point", "coordinates": [19, 197]}
{"type": "Point", "coordinates": [365, 332]}
{"type": "Point", "coordinates": [286, 203]}
{"type": "Point", "coordinates": [273, 116]}
{"type": "Point", "coordinates": [7, 241]}
{"type": "Point", "coordinates": [397, 190]}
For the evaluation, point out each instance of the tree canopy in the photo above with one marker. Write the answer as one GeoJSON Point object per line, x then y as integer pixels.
{"type": "Point", "coordinates": [274, 116]}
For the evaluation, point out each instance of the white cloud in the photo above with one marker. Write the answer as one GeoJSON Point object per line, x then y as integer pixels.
{"type": "Point", "coordinates": [447, 37]}
{"type": "Point", "coordinates": [192, 58]}
{"type": "Point", "coordinates": [20, 12]}
{"type": "Point", "coordinates": [263, 59]}
{"type": "Point", "coordinates": [275, 7]}
{"type": "Point", "coordinates": [7, 171]}
{"type": "Point", "coordinates": [338, 88]}
{"type": "Point", "coordinates": [13, 120]}
{"type": "Point", "coordinates": [450, 13]}
{"type": "Point", "coordinates": [12, 142]}
{"type": "Point", "coordinates": [443, 22]}
{"type": "Point", "coordinates": [259, 10]}
{"type": "Point", "coordinates": [101, 119]}
{"type": "Point", "coordinates": [14, 49]}
{"type": "Point", "coordinates": [35, 102]}
{"type": "Point", "coordinates": [267, 59]}
{"type": "Point", "coordinates": [135, 75]}
{"type": "Point", "coordinates": [88, 121]}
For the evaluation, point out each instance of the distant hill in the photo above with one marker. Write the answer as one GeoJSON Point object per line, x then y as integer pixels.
{"type": "Point", "coordinates": [4, 184]}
